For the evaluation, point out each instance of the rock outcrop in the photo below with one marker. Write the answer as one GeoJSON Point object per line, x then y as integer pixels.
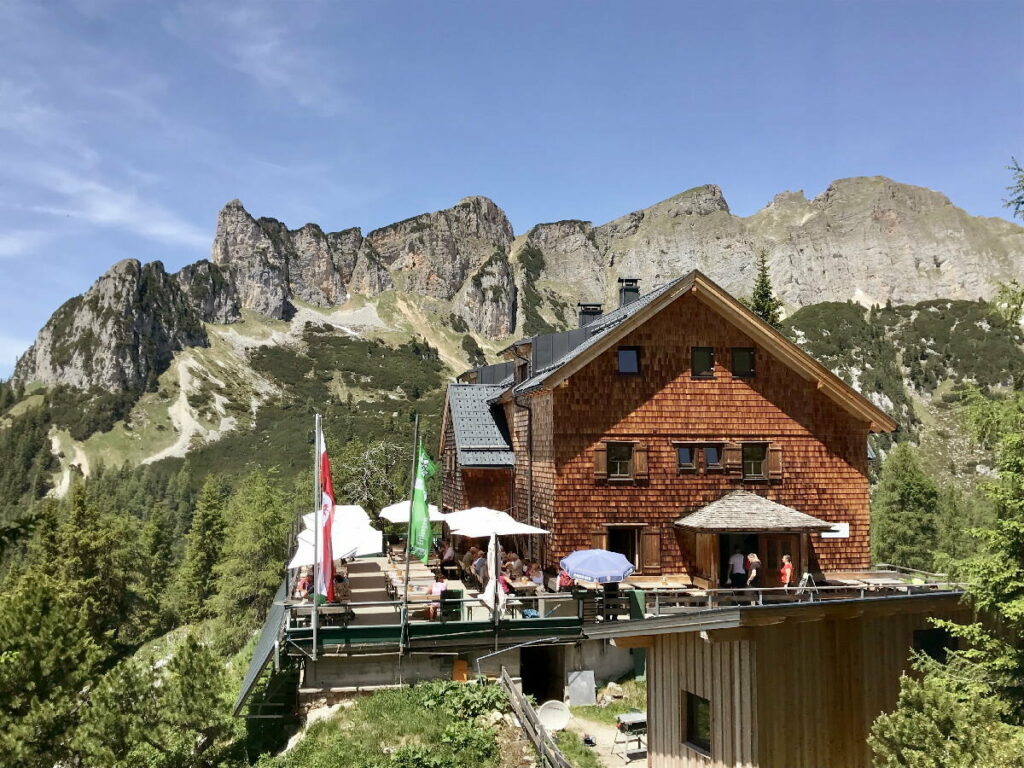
{"type": "Point", "coordinates": [871, 240]}
{"type": "Point", "coordinates": [122, 333]}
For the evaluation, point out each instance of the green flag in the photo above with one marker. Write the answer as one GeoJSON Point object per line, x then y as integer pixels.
{"type": "Point", "coordinates": [419, 514]}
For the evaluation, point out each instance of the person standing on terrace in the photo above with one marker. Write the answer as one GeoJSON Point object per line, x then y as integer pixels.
{"type": "Point", "coordinates": [737, 569]}
{"type": "Point", "coordinates": [786, 572]}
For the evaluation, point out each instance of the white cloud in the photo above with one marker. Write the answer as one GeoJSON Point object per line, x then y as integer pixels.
{"type": "Point", "coordinates": [10, 349]}
{"type": "Point", "coordinates": [19, 242]}
{"type": "Point", "coordinates": [97, 203]}
{"type": "Point", "coordinates": [266, 41]}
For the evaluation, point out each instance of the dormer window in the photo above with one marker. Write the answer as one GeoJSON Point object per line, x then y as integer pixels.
{"type": "Point", "coordinates": [629, 361]}
{"type": "Point", "coordinates": [521, 372]}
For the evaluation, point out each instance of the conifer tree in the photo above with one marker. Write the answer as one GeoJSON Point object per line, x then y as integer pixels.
{"type": "Point", "coordinates": [903, 512]}
{"type": "Point", "coordinates": [253, 557]}
{"type": "Point", "coordinates": [763, 301]}
{"type": "Point", "coordinates": [195, 582]}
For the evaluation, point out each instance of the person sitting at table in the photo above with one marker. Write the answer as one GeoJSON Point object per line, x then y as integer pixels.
{"type": "Point", "coordinates": [535, 574]}
{"type": "Point", "coordinates": [480, 566]}
{"type": "Point", "coordinates": [303, 587]}
{"type": "Point", "coordinates": [468, 559]}
{"type": "Point", "coordinates": [514, 566]}
{"type": "Point", "coordinates": [503, 582]}
{"type": "Point", "coordinates": [435, 589]}
{"type": "Point", "coordinates": [447, 554]}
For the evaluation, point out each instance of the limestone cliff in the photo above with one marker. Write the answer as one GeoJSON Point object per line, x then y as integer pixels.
{"type": "Point", "coordinates": [123, 332]}
{"type": "Point", "coordinates": [867, 239]}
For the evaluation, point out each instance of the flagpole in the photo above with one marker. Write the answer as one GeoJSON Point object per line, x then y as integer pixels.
{"type": "Point", "coordinates": [316, 531]}
{"type": "Point", "coordinates": [408, 533]}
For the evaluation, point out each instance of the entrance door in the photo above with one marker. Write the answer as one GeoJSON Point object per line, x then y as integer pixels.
{"type": "Point", "coordinates": [542, 669]}
{"type": "Point", "coordinates": [624, 540]}
{"type": "Point", "coordinates": [775, 546]}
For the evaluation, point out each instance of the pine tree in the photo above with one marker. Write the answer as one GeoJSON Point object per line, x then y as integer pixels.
{"type": "Point", "coordinates": [195, 582]}
{"type": "Point", "coordinates": [163, 717]}
{"type": "Point", "coordinates": [903, 512]}
{"type": "Point", "coordinates": [252, 562]}
{"type": "Point", "coordinates": [763, 301]}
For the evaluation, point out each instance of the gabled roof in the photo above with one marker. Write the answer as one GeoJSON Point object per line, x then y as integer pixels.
{"type": "Point", "coordinates": [481, 437]}
{"type": "Point", "coordinates": [610, 328]}
{"type": "Point", "coordinates": [743, 511]}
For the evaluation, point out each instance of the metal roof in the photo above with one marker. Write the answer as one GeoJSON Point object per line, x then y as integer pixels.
{"type": "Point", "coordinates": [590, 335]}
{"type": "Point", "coordinates": [481, 436]}
{"type": "Point", "coordinates": [743, 511]}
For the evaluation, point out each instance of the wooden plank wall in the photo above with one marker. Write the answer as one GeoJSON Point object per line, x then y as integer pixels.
{"type": "Point", "coordinates": [721, 672]}
{"type": "Point", "coordinates": [452, 492]}
{"type": "Point", "coordinates": [789, 695]}
{"type": "Point", "coordinates": [822, 684]}
{"type": "Point", "coordinates": [824, 449]}
{"type": "Point", "coordinates": [487, 488]}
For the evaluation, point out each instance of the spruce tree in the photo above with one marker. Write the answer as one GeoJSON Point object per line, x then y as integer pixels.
{"type": "Point", "coordinates": [903, 512]}
{"type": "Point", "coordinates": [195, 582]}
{"type": "Point", "coordinates": [763, 301]}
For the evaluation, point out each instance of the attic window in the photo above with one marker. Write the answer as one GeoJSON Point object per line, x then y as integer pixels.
{"type": "Point", "coordinates": [743, 362]}
{"type": "Point", "coordinates": [629, 361]}
{"type": "Point", "coordinates": [620, 460]}
{"type": "Point", "coordinates": [702, 361]}
{"type": "Point", "coordinates": [755, 461]}
{"type": "Point", "coordinates": [686, 458]}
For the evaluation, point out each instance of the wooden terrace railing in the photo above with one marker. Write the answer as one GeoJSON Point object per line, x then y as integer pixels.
{"type": "Point", "coordinates": [550, 755]}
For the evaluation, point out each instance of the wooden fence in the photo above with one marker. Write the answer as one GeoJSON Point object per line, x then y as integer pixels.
{"type": "Point", "coordinates": [550, 755]}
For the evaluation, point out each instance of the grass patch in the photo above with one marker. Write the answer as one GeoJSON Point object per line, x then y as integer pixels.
{"type": "Point", "coordinates": [634, 699]}
{"type": "Point", "coordinates": [439, 724]}
{"type": "Point", "coordinates": [575, 751]}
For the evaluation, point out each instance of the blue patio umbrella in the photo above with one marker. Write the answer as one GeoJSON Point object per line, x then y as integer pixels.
{"type": "Point", "coordinates": [598, 565]}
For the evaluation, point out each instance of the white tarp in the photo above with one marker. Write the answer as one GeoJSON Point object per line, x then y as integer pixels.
{"type": "Point", "coordinates": [493, 595]}
{"type": "Point", "coordinates": [480, 522]}
{"type": "Point", "coordinates": [398, 513]}
{"type": "Point", "coordinates": [352, 535]}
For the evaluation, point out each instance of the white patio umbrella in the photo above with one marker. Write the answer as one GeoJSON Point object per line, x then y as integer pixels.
{"type": "Point", "coordinates": [479, 522]}
{"type": "Point", "coordinates": [352, 535]}
{"type": "Point", "coordinates": [398, 513]}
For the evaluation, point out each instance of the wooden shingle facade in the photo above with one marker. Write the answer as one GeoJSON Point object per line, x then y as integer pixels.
{"type": "Point", "coordinates": [663, 407]}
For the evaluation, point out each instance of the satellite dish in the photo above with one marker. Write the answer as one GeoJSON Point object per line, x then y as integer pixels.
{"type": "Point", "coordinates": [554, 715]}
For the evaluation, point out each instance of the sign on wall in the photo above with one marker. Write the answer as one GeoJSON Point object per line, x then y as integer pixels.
{"type": "Point", "coordinates": [838, 531]}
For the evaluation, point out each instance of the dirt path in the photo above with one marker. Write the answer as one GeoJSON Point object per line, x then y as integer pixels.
{"type": "Point", "coordinates": [605, 737]}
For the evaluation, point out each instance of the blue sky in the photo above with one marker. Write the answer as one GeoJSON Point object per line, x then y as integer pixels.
{"type": "Point", "coordinates": [125, 125]}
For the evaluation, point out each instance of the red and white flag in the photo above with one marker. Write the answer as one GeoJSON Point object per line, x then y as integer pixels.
{"type": "Point", "coordinates": [325, 578]}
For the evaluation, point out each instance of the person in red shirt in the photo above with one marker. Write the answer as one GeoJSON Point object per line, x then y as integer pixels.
{"type": "Point", "coordinates": [786, 573]}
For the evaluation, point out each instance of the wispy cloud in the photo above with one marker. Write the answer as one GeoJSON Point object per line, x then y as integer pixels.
{"type": "Point", "coordinates": [268, 42]}
{"type": "Point", "coordinates": [97, 203]}
{"type": "Point", "coordinates": [19, 242]}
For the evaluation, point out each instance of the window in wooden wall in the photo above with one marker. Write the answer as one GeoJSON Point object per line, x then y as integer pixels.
{"type": "Point", "coordinates": [712, 457]}
{"type": "Point", "coordinates": [935, 642]}
{"type": "Point", "coordinates": [702, 362]}
{"type": "Point", "coordinates": [686, 458]}
{"type": "Point", "coordinates": [625, 540]}
{"type": "Point", "coordinates": [755, 461]}
{"type": "Point", "coordinates": [620, 460]}
{"type": "Point", "coordinates": [629, 361]}
{"type": "Point", "coordinates": [743, 362]}
{"type": "Point", "coordinates": [697, 728]}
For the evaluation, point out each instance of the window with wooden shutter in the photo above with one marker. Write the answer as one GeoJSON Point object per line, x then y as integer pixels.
{"type": "Point", "coordinates": [601, 462]}
{"type": "Point", "coordinates": [599, 539]}
{"type": "Point", "coordinates": [650, 551]}
{"type": "Point", "coordinates": [640, 462]}
{"type": "Point", "coordinates": [732, 457]}
{"type": "Point", "coordinates": [774, 462]}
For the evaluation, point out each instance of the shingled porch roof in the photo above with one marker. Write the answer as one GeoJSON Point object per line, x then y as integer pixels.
{"type": "Point", "coordinates": [743, 511]}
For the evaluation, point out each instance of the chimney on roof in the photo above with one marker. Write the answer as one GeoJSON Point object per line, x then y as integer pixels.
{"type": "Point", "coordinates": [629, 290]}
{"type": "Point", "coordinates": [588, 313]}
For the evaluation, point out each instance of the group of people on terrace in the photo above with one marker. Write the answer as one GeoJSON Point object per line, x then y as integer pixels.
{"type": "Point", "coordinates": [747, 570]}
